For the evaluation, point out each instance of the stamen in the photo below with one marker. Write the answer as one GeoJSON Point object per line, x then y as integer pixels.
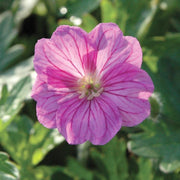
{"type": "Point", "coordinates": [95, 94]}
{"type": "Point", "coordinates": [90, 88]}
{"type": "Point", "coordinates": [90, 97]}
{"type": "Point", "coordinates": [83, 94]}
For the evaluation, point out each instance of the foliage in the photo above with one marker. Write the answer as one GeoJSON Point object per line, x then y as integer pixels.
{"type": "Point", "coordinates": [157, 141]}
{"type": "Point", "coordinates": [11, 102]}
{"type": "Point", "coordinates": [7, 34]}
{"type": "Point", "coordinates": [148, 151]}
{"type": "Point", "coordinates": [8, 170]}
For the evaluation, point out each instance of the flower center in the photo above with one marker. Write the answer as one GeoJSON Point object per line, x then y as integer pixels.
{"type": "Point", "coordinates": [89, 87]}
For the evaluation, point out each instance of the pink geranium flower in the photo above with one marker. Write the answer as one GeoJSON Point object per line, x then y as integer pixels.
{"type": "Point", "coordinates": [90, 84]}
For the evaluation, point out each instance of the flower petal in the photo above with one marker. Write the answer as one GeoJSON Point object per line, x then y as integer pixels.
{"type": "Point", "coordinates": [108, 120]}
{"type": "Point", "coordinates": [72, 119]}
{"type": "Point", "coordinates": [79, 120]}
{"type": "Point", "coordinates": [52, 68]}
{"type": "Point", "coordinates": [129, 87]}
{"type": "Point", "coordinates": [46, 103]}
{"type": "Point", "coordinates": [135, 56]}
{"type": "Point", "coordinates": [110, 44]}
{"type": "Point", "coordinates": [73, 43]}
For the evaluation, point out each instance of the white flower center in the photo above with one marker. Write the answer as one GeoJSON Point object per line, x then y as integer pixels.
{"type": "Point", "coordinates": [89, 87]}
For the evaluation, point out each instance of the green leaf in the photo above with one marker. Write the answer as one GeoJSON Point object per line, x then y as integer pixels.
{"type": "Point", "coordinates": [54, 6]}
{"type": "Point", "coordinates": [148, 20]}
{"type": "Point", "coordinates": [15, 138]}
{"type": "Point", "coordinates": [4, 94]}
{"type": "Point", "coordinates": [163, 46]}
{"type": "Point", "coordinates": [158, 141]}
{"type": "Point", "coordinates": [108, 162]}
{"type": "Point", "coordinates": [167, 166]}
{"type": "Point", "coordinates": [10, 56]}
{"type": "Point", "coordinates": [28, 143]}
{"type": "Point", "coordinates": [7, 31]}
{"type": "Point", "coordinates": [8, 170]}
{"type": "Point", "coordinates": [108, 11]}
{"type": "Point", "coordinates": [14, 74]}
{"type": "Point", "coordinates": [4, 5]}
{"type": "Point", "coordinates": [150, 59]}
{"type": "Point", "coordinates": [14, 102]}
{"type": "Point", "coordinates": [112, 162]}
{"type": "Point", "coordinates": [42, 141]}
{"type": "Point", "coordinates": [167, 88]}
{"type": "Point", "coordinates": [172, 4]}
{"type": "Point", "coordinates": [145, 169]}
{"type": "Point", "coordinates": [65, 22]}
{"type": "Point", "coordinates": [88, 22]}
{"type": "Point", "coordinates": [45, 173]}
{"type": "Point", "coordinates": [165, 53]}
{"type": "Point", "coordinates": [7, 34]}
{"type": "Point", "coordinates": [133, 17]}
{"type": "Point", "coordinates": [23, 8]}
{"type": "Point", "coordinates": [51, 173]}
{"type": "Point", "coordinates": [76, 170]}
{"type": "Point", "coordinates": [81, 7]}
{"type": "Point", "coordinates": [176, 24]}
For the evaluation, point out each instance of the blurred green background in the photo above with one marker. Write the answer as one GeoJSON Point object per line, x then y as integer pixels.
{"type": "Point", "coordinates": [150, 151]}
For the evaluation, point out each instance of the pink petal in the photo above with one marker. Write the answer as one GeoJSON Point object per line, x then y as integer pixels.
{"type": "Point", "coordinates": [46, 103]}
{"type": "Point", "coordinates": [60, 79]}
{"type": "Point", "coordinates": [72, 119]}
{"type": "Point", "coordinates": [79, 120]}
{"type": "Point", "coordinates": [135, 57]}
{"type": "Point", "coordinates": [47, 55]}
{"type": "Point", "coordinates": [53, 69]}
{"type": "Point", "coordinates": [110, 45]}
{"type": "Point", "coordinates": [108, 117]}
{"type": "Point", "coordinates": [129, 87]}
{"type": "Point", "coordinates": [73, 43]}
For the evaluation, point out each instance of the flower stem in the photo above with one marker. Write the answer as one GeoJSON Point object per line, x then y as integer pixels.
{"type": "Point", "coordinates": [83, 152]}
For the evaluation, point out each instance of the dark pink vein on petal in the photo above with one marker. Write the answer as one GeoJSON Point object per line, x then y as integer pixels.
{"type": "Point", "coordinates": [127, 99]}
{"type": "Point", "coordinates": [67, 57]}
{"type": "Point", "coordinates": [112, 52]}
{"type": "Point", "coordinates": [101, 38]}
{"type": "Point", "coordinates": [77, 48]}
